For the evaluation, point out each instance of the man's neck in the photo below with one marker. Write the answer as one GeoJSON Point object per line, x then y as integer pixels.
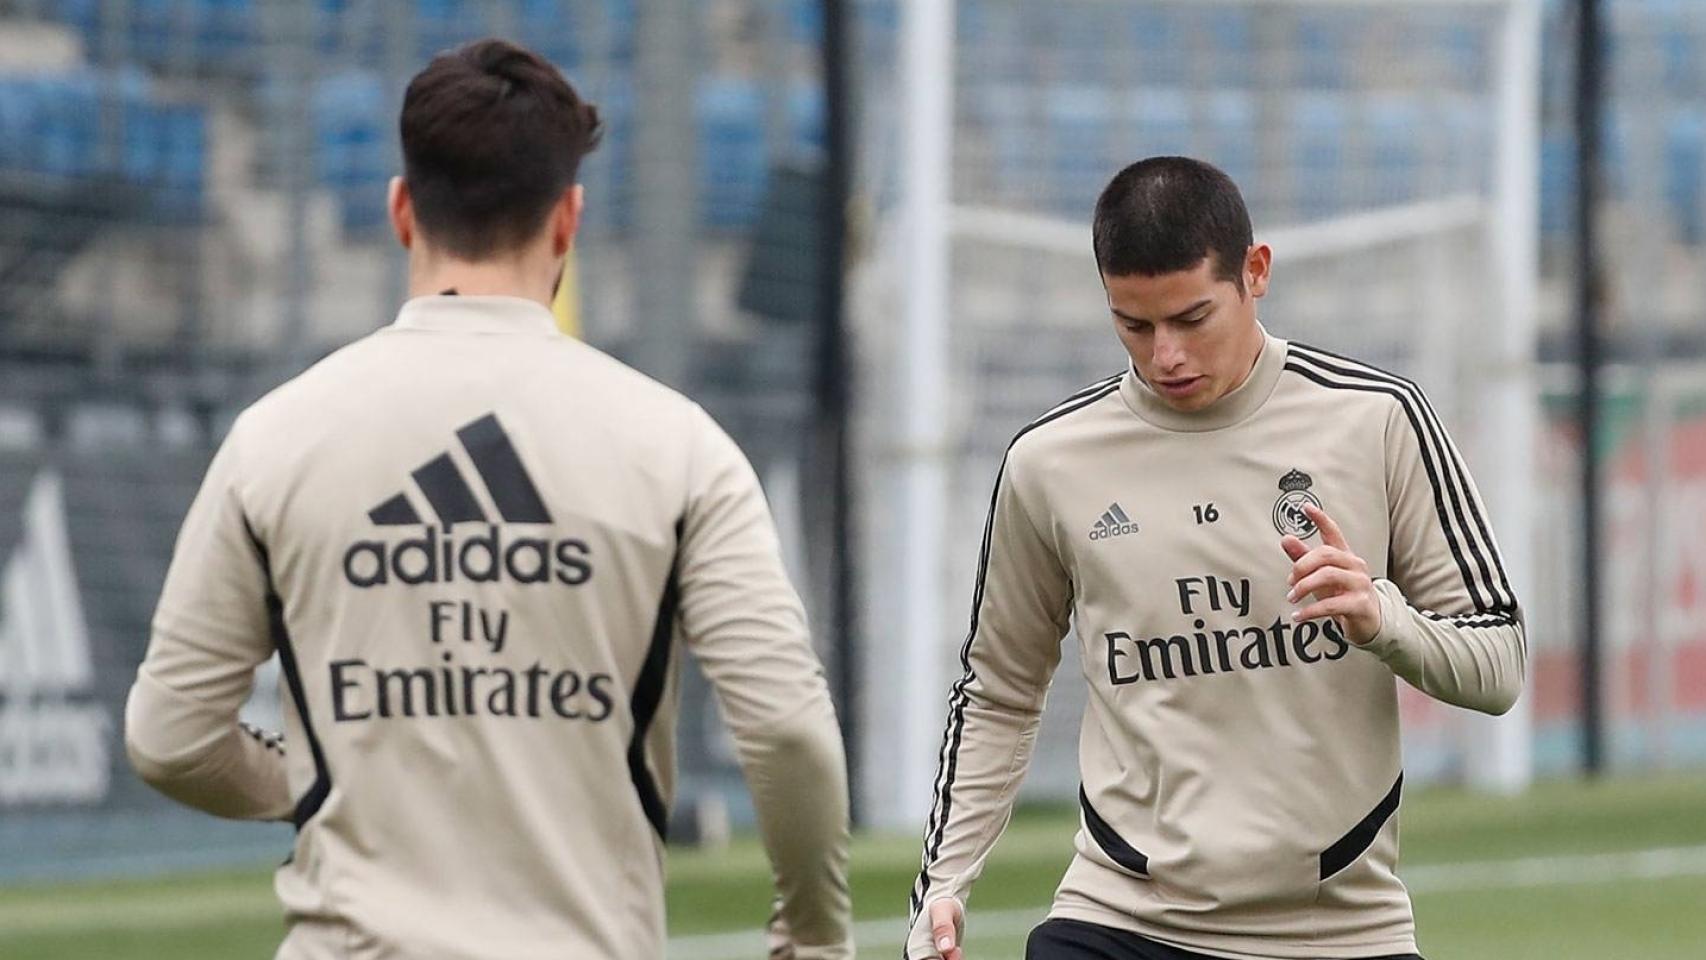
{"type": "Point", "coordinates": [506, 279]}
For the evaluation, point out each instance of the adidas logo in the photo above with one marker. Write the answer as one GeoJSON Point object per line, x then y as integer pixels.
{"type": "Point", "coordinates": [449, 495]}
{"type": "Point", "coordinates": [485, 557]}
{"type": "Point", "coordinates": [1112, 523]}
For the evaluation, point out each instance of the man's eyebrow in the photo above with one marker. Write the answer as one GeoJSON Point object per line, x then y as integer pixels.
{"type": "Point", "coordinates": [1181, 315]}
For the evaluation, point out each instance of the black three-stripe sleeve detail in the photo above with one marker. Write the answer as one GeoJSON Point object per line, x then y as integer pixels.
{"type": "Point", "coordinates": [1458, 486]}
{"type": "Point", "coordinates": [948, 756]}
{"type": "Point", "coordinates": [648, 694]}
{"type": "Point", "coordinates": [315, 797]}
{"type": "Point", "coordinates": [1443, 478]}
{"type": "Point", "coordinates": [448, 493]}
{"type": "Point", "coordinates": [1349, 847]}
{"type": "Point", "coordinates": [1109, 840]}
{"type": "Point", "coordinates": [506, 479]}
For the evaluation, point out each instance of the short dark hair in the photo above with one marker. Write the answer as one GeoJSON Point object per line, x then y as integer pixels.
{"type": "Point", "coordinates": [1165, 214]}
{"type": "Point", "coordinates": [492, 136]}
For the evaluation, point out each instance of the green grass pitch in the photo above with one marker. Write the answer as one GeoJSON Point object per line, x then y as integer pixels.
{"type": "Point", "coordinates": [1613, 870]}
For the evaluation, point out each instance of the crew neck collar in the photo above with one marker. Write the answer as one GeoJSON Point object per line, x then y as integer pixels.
{"type": "Point", "coordinates": [1233, 408]}
{"type": "Point", "coordinates": [483, 314]}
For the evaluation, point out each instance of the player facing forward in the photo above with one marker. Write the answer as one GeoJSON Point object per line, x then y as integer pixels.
{"type": "Point", "coordinates": [476, 545]}
{"type": "Point", "coordinates": [1250, 538]}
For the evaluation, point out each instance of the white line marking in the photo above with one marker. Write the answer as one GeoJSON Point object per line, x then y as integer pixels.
{"type": "Point", "coordinates": [1527, 872]}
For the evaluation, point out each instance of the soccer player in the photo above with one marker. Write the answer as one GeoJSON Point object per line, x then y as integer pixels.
{"type": "Point", "coordinates": [1250, 538]}
{"type": "Point", "coordinates": [475, 545]}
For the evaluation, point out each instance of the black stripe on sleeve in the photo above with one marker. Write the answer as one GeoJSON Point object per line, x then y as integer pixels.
{"type": "Point", "coordinates": [948, 756]}
{"type": "Point", "coordinates": [1349, 847]}
{"type": "Point", "coordinates": [1109, 840]}
{"type": "Point", "coordinates": [500, 467]}
{"type": "Point", "coordinates": [1443, 487]}
{"type": "Point", "coordinates": [1503, 597]}
{"type": "Point", "coordinates": [648, 694]}
{"type": "Point", "coordinates": [447, 491]}
{"type": "Point", "coordinates": [314, 798]}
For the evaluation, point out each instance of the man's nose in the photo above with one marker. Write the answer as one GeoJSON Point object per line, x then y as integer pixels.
{"type": "Point", "coordinates": [1169, 353]}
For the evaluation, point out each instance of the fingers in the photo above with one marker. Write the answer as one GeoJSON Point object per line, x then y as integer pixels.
{"type": "Point", "coordinates": [1343, 605]}
{"type": "Point", "coordinates": [1326, 582]}
{"type": "Point", "coordinates": [1293, 547]}
{"type": "Point", "coordinates": [945, 928]}
{"type": "Point", "coordinates": [1321, 557]}
{"type": "Point", "coordinates": [1331, 535]}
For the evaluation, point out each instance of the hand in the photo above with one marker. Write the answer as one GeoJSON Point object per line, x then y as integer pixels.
{"type": "Point", "coordinates": [1338, 579]}
{"type": "Point", "coordinates": [947, 923]}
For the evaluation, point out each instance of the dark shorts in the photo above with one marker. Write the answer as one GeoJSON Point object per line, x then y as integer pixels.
{"type": "Point", "coordinates": [1077, 940]}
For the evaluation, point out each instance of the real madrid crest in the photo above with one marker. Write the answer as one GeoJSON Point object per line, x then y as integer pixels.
{"type": "Point", "coordinates": [1288, 509]}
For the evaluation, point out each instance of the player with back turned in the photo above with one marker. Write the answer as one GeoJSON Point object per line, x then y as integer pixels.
{"type": "Point", "coordinates": [476, 544]}
{"type": "Point", "coordinates": [1249, 538]}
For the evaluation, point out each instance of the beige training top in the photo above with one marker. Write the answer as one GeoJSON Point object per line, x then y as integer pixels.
{"type": "Point", "coordinates": [475, 544]}
{"type": "Point", "coordinates": [1241, 774]}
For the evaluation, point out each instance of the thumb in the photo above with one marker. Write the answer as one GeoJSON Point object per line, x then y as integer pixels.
{"type": "Point", "coordinates": [1293, 547]}
{"type": "Point", "coordinates": [947, 918]}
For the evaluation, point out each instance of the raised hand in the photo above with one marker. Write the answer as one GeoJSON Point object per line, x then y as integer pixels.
{"type": "Point", "coordinates": [1336, 577]}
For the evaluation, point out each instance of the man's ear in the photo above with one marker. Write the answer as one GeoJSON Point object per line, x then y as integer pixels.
{"type": "Point", "coordinates": [402, 207]}
{"type": "Point", "coordinates": [1257, 266]}
{"type": "Point", "coordinates": [566, 220]}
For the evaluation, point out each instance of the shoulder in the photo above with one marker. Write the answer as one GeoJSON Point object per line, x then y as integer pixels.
{"type": "Point", "coordinates": [1340, 380]}
{"type": "Point", "coordinates": [1065, 421]}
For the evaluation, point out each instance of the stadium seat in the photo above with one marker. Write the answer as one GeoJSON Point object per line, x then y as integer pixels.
{"type": "Point", "coordinates": [1557, 184]}
{"type": "Point", "coordinates": [51, 127]}
{"type": "Point", "coordinates": [1226, 35]}
{"type": "Point", "coordinates": [1321, 44]}
{"type": "Point", "coordinates": [1229, 137]}
{"type": "Point", "coordinates": [1392, 130]}
{"type": "Point", "coordinates": [1685, 173]}
{"type": "Point", "coordinates": [352, 145]}
{"type": "Point", "coordinates": [1318, 155]}
{"type": "Point", "coordinates": [731, 150]}
{"type": "Point", "coordinates": [1160, 122]}
{"type": "Point", "coordinates": [1078, 143]}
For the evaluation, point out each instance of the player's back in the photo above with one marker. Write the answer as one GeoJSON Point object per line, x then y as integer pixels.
{"type": "Point", "coordinates": [471, 524]}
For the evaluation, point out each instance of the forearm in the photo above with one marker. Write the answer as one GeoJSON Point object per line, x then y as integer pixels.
{"type": "Point", "coordinates": [797, 773]}
{"type": "Point", "coordinates": [198, 754]}
{"type": "Point", "coordinates": [1472, 660]}
{"type": "Point", "coordinates": [986, 762]}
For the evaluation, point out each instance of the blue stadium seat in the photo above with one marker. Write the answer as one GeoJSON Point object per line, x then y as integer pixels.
{"type": "Point", "coordinates": [1007, 113]}
{"type": "Point", "coordinates": [1158, 39]}
{"type": "Point", "coordinates": [1078, 142]}
{"type": "Point", "coordinates": [1227, 37]}
{"type": "Point", "coordinates": [51, 126]}
{"type": "Point", "coordinates": [1321, 44]}
{"type": "Point", "coordinates": [732, 154]}
{"type": "Point", "coordinates": [352, 145]}
{"type": "Point", "coordinates": [1557, 183]}
{"type": "Point", "coordinates": [1160, 118]}
{"type": "Point", "coordinates": [1318, 129]}
{"type": "Point", "coordinates": [1393, 126]}
{"type": "Point", "coordinates": [1229, 136]}
{"type": "Point", "coordinates": [1685, 173]}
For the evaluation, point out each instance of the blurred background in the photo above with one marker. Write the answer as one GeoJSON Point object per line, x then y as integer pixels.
{"type": "Point", "coordinates": [857, 232]}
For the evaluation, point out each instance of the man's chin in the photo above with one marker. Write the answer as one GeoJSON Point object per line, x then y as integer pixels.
{"type": "Point", "coordinates": [1200, 398]}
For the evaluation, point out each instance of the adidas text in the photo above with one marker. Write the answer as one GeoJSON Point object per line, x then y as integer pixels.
{"type": "Point", "coordinates": [442, 558]}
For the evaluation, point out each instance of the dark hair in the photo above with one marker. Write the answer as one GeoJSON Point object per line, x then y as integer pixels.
{"type": "Point", "coordinates": [1165, 214]}
{"type": "Point", "coordinates": [492, 136]}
